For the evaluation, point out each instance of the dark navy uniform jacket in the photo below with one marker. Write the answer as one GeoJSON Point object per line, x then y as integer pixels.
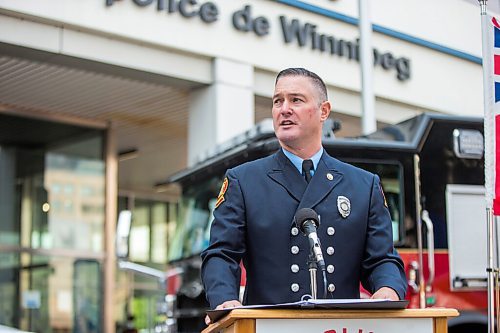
{"type": "Point", "coordinates": [255, 223]}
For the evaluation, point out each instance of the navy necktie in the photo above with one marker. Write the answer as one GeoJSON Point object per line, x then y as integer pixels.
{"type": "Point", "coordinates": [307, 167]}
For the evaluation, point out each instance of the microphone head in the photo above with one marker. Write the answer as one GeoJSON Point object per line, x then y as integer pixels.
{"type": "Point", "coordinates": [306, 214]}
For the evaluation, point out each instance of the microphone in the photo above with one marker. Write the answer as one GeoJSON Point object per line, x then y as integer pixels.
{"type": "Point", "coordinates": [307, 221]}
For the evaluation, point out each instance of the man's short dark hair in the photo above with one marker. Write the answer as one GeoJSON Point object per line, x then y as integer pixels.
{"type": "Point", "coordinates": [317, 81]}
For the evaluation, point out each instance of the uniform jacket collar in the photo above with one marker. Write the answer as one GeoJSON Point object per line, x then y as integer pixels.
{"type": "Point", "coordinates": [285, 173]}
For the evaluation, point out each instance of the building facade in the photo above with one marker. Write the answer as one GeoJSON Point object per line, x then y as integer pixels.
{"type": "Point", "coordinates": [104, 99]}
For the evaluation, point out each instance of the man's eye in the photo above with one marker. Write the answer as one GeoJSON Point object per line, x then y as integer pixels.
{"type": "Point", "coordinates": [296, 99]}
{"type": "Point", "coordinates": [277, 102]}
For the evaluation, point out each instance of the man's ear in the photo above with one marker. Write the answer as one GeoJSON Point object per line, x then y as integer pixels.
{"type": "Point", "coordinates": [325, 110]}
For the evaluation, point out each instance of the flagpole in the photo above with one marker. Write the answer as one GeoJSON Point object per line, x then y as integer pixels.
{"type": "Point", "coordinates": [489, 153]}
{"type": "Point", "coordinates": [368, 120]}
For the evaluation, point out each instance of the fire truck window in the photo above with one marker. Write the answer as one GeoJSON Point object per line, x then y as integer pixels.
{"type": "Point", "coordinates": [195, 216]}
{"type": "Point", "coordinates": [391, 179]}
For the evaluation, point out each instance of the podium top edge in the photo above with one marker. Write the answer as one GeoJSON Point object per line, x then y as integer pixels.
{"type": "Point", "coordinates": [342, 313]}
{"type": "Point", "coordinates": [238, 314]}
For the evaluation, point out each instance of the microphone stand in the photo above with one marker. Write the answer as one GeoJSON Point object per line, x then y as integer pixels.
{"type": "Point", "coordinates": [313, 267]}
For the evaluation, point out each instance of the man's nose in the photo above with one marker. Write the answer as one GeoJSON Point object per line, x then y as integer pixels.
{"type": "Point", "coordinates": [286, 107]}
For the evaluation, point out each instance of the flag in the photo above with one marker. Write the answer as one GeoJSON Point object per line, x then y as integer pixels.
{"type": "Point", "coordinates": [490, 31]}
{"type": "Point", "coordinates": [491, 71]}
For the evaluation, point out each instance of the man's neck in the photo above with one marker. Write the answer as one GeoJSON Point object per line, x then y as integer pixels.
{"type": "Point", "coordinates": [302, 152]}
{"type": "Point", "coordinates": [297, 161]}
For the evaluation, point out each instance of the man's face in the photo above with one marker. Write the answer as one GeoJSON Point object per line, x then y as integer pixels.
{"type": "Point", "coordinates": [298, 113]}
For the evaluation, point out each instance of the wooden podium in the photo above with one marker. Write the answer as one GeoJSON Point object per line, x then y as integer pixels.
{"type": "Point", "coordinates": [432, 320]}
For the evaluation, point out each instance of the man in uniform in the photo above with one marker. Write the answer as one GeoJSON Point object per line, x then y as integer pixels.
{"type": "Point", "coordinates": [254, 215]}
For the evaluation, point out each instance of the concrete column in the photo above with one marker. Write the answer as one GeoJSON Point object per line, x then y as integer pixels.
{"type": "Point", "coordinates": [222, 110]}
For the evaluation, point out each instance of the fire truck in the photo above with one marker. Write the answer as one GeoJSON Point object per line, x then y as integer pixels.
{"type": "Point", "coordinates": [432, 171]}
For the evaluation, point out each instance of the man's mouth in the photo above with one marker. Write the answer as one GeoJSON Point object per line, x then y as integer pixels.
{"type": "Point", "coordinates": [287, 123]}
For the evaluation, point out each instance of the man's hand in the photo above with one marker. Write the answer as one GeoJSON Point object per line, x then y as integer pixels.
{"type": "Point", "coordinates": [225, 305]}
{"type": "Point", "coordinates": [386, 293]}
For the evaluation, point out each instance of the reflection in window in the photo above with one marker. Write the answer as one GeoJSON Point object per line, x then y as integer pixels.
{"type": "Point", "coordinates": [152, 221]}
{"type": "Point", "coordinates": [73, 219]}
{"type": "Point", "coordinates": [41, 207]}
{"type": "Point", "coordinates": [139, 233]}
{"type": "Point", "coordinates": [56, 188]}
{"type": "Point", "coordinates": [149, 234]}
{"type": "Point", "coordinates": [68, 206]}
{"type": "Point", "coordinates": [68, 189]}
{"type": "Point", "coordinates": [86, 191]}
{"type": "Point", "coordinates": [159, 235]}
{"type": "Point", "coordinates": [139, 243]}
{"type": "Point", "coordinates": [89, 209]}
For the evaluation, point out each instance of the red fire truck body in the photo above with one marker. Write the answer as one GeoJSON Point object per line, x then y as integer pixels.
{"type": "Point", "coordinates": [432, 171]}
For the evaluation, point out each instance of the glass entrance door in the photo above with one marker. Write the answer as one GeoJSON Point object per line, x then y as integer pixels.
{"type": "Point", "coordinates": [52, 201]}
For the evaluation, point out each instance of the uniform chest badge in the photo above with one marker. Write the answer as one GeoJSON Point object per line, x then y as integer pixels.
{"type": "Point", "coordinates": [344, 206]}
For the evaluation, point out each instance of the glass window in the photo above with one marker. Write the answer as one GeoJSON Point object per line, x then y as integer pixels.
{"type": "Point", "coordinates": [137, 294]}
{"type": "Point", "coordinates": [391, 178]}
{"type": "Point", "coordinates": [159, 235]}
{"type": "Point", "coordinates": [196, 214]}
{"type": "Point", "coordinates": [68, 188]}
{"type": "Point", "coordinates": [149, 232]}
{"type": "Point", "coordinates": [77, 219]}
{"type": "Point", "coordinates": [43, 166]}
{"type": "Point", "coordinates": [50, 294]}
{"type": "Point", "coordinates": [140, 232]}
{"type": "Point", "coordinates": [9, 280]}
{"type": "Point", "coordinates": [40, 195]}
{"type": "Point", "coordinates": [56, 188]}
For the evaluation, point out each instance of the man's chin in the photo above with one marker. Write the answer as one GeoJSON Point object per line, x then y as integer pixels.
{"type": "Point", "coordinates": [287, 140]}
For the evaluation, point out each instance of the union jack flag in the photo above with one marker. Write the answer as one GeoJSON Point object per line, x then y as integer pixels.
{"type": "Point", "coordinates": [494, 59]}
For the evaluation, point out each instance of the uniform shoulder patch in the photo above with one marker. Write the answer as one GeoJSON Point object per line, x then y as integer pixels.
{"type": "Point", "coordinates": [223, 189]}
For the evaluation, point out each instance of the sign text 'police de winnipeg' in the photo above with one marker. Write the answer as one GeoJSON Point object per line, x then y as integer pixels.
{"type": "Point", "coordinates": [303, 34]}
